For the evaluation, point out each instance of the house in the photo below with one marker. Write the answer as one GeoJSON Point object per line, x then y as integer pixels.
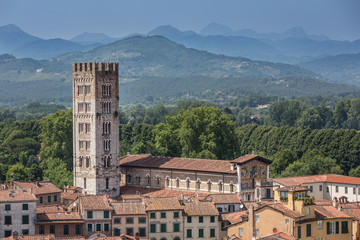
{"type": "Point", "coordinates": [327, 186]}
{"type": "Point", "coordinates": [18, 212]}
{"type": "Point", "coordinates": [129, 218]}
{"type": "Point", "coordinates": [200, 220]}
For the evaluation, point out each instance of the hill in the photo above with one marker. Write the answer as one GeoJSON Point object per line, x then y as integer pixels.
{"type": "Point", "coordinates": [343, 68]}
{"type": "Point", "coordinates": [164, 70]}
{"type": "Point", "coordinates": [87, 38]}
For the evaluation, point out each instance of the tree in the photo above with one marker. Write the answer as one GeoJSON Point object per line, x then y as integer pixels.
{"type": "Point", "coordinates": [341, 112]}
{"type": "Point", "coordinates": [17, 172]}
{"type": "Point", "coordinates": [286, 112]}
{"type": "Point", "coordinates": [355, 172]}
{"type": "Point", "coordinates": [281, 161]}
{"type": "Point", "coordinates": [58, 173]}
{"type": "Point", "coordinates": [35, 173]}
{"type": "Point", "coordinates": [3, 170]}
{"type": "Point", "coordinates": [313, 162]}
{"type": "Point", "coordinates": [310, 118]}
{"type": "Point", "coordinates": [194, 130]}
{"type": "Point", "coordinates": [57, 137]}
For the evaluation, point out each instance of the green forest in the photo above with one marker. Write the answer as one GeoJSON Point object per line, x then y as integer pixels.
{"type": "Point", "coordinates": [302, 136]}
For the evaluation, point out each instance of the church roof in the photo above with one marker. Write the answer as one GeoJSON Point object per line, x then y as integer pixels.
{"type": "Point", "coordinates": [250, 157]}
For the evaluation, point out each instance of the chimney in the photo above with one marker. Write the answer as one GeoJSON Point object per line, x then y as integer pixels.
{"type": "Point", "coordinates": [335, 202]}
{"type": "Point", "coordinates": [31, 191]}
{"type": "Point", "coordinates": [232, 167]}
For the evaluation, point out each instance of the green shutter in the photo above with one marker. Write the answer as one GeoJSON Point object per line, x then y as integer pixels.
{"type": "Point", "coordinates": [344, 227]}
{"type": "Point", "coordinates": [328, 228]}
{"type": "Point", "coordinates": [176, 227]}
{"type": "Point", "coordinates": [299, 231]}
{"type": "Point", "coordinates": [188, 233]}
{"type": "Point", "coordinates": [337, 227]}
{"type": "Point", "coordinates": [201, 233]}
{"type": "Point", "coordinates": [153, 228]}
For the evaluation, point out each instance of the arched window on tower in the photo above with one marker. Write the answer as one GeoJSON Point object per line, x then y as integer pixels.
{"type": "Point", "coordinates": [209, 185]}
{"type": "Point", "coordinates": [84, 183]}
{"type": "Point", "coordinates": [167, 181]}
{"type": "Point", "coordinates": [157, 180]}
{"type": "Point", "coordinates": [107, 183]}
{"type": "Point", "coordinates": [108, 161]}
{"type": "Point", "coordinates": [81, 161]}
{"type": "Point", "coordinates": [138, 179]}
{"type": "Point", "coordinates": [187, 183]}
{"type": "Point", "coordinates": [231, 186]}
{"type": "Point", "coordinates": [87, 161]}
{"type": "Point", "coordinates": [198, 184]}
{"type": "Point", "coordinates": [177, 182]}
{"type": "Point", "coordinates": [220, 186]}
{"type": "Point", "coordinates": [148, 179]}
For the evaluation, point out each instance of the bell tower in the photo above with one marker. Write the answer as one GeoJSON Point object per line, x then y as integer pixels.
{"type": "Point", "coordinates": [96, 128]}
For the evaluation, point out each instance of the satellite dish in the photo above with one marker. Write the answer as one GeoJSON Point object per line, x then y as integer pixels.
{"type": "Point", "coordinates": [74, 204]}
{"type": "Point", "coordinates": [241, 205]}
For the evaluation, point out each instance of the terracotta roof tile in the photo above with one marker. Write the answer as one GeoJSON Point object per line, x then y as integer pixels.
{"type": "Point", "coordinates": [329, 212]}
{"type": "Point", "coordinates": [200, 208]}
{"type": "Point", "coordinates": [32, 237]}
{"type": "Point", "coordinates": [334, 178]}
{"type": "Point", "coordinates": [43, 187]}
{"type": "Point", "coordinates": [153, 204]}
{"type": "Point", "coordinates": [14, 195]}
{"type": "Point", "coordinates": [296, 188]}
{"type": "Point", "coordinates": [278, 236]}
{"type": "Point", "coordinates": [226, 198]}
{"type": "Point", "coordinates": [70, 196]}
{"type": "Point", "coordinates": [129, 208]}
{"type": "Point", "coordinates": [57, 213]}
{"type": "Point", "coordinates": [95, 203]}
{"type": "Point", "coordinates": [193, 164]}
{"type": "Point", "coordinates": [235, 217]}
{"type": "Point", "coordinates": [250, 157]}
{"type": "Point", "coordinates": [285, 210]}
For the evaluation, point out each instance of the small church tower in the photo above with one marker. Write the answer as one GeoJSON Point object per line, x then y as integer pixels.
{"type": "Point", "coordinates": [96, 128]}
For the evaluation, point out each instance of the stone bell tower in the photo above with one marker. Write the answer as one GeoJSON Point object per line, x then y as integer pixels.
{"type": "Point", "coordinates": [96, 128]}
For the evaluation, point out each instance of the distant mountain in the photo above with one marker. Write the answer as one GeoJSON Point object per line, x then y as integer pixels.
{"type": "Point", "coordinates": [344, 68]}
{"type": "Point", "coordinates": [12, 37]}
{"type": "Point", "coordinates": [45, 49]}
{"type": "Point", "coordinates": [93, 38]}
{"type": "Point", "coordinates": [155, 66]}
{"type": "Point", "coordinates": [295, 32]}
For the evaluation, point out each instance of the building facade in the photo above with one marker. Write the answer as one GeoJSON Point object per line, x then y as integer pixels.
{"type": "Point", "coordinates": [95, 128]}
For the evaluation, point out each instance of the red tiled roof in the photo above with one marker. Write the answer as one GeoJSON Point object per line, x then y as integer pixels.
{"type": "Point", "coordinates": [227, 198]}
{"type": "Point", "coordinates": [129, 208]}
{"type": "Point", "coordinates": [154, 204]}
{"type": "Point", "coordinates": [32, 237]}
{"type": "Point", "coordinates": [192, 164]}
{"type": "Point", "coordinates": [14, 195]}
{"type": "Point", "coordinates": [297, 188]}
{"type": "Point", "coordinates": [278, 236]}
{"type": "Point", "coordinates": [200, 208]}
{"type": "Point", "coordinates": [250, 157]}
{"type": "Point", "coordinates": [235, 217]}
{"type": "Point", "coordinates": [334, 178]}
{"type": "Point", "coordinates": [329, 212]}
{"type": "Point", "coordinates": [57, 213]}
{"type": "Point", "coordinates": [287, 211]}
{"type": "Point", "coordinates": [95, 203]}
{"type": "Point", "coordinates": [70, 196]}
{"type": "Point", "coordinates": [44, 187]}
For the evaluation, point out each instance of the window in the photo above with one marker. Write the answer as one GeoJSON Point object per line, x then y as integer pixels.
{"type": "Point", "coordinates": [257, 232]}
{"type": "Point", "coordinates": [152, 215]}
{"type": "Point", "coordinates": [81, 127]}
{"type": "Point", "coordinates": [327, 189]}
{"type": "Point", "coordinates": [231, 187]}
{"type": "Point", "coordinates": [89, 227]}
{"type": "Point", "coordinates": [89, 214]}
{"type": "Point", "coordinates": [320, 224]}
{"type": "Point", "coordinates": [25, 219]}
{"type": "Point", "coordinates": [88, 107]}
{"type": "Point", "coordinates": [163, 215]}
{"type": "Point", "coordinates": [209, 186]}
{"type": "Point", "coordinates": [106, 145]}
{"type": "Point", "coordinates": [87, 89]}
{"type": "Point", "coordinates": [88, 145]}
{"type": "Point", "coordinates": [52, 229]}
{"type": "Point", "coordinates": [41, 199]}
{"type": "Point", "coordinates": [106, 214]}
{"type": "Point", "coordinates": [25, 232]}
{"type": "Point", "coordinates": [88, 128]}
{"type": "Point", "coordinates": [308, 230]}
{"type": "Point", "coordinates": [176, 227]}
{"type": "Point", "coordinates": [106, 107]}
{"type": "Point", "coordinates": [81, 161]}
{"type": "Point", "coordinates": [84, 183]}
{"type": "Point", "coordinates": [153, 228]}
{"type": "Point", "coordinates": [7, 233]}
{"type": "Point", "coordinates": [201, 233]}
{"type": "Point", "coordinates": [201, 219]}
{"type": "Point", "coordinates": [142, 232]}
{"type": "Point", "coordinates": [212, 232]}
{"type": "Point", "coordinates": [308, 211]}
{"type": "Point", "coordinates": [80, 107]}
{"type": "Point", "coordinates": [346, 189]}
{"type": "Point", "coordinates": [117, 232]}
{"type": "Point", "coordinates": [157, 181]}
{"type": "Point", "coordinates": [257, 218]}
{"type": "Point", "coordinates": [55, 198]}
{"type": "Point", "coordinates": [189, 233]}
{"type": "Point", "coordinates": [358, 190]}
{"type": "Point", "coordinates": [320, 188]}
{"type": "Point", "coordinates": [106, 89]}
{"type": "Point", "coordinates": [148, 180]}
{"type": "Point", "coordinates": [177, 182]}
{"type": "Point", "coordinates": [7, 207]}
{"type": "Point", "coordinates": [41, 229]}
{"type": "Point", "coordinates": [344, 227]}
{"type": "Point", "coordinates": [354, 190]}
{"type": "Point", "coordinates": [176, 214]}
{"type": "Point", "coordinates": [98, 227]}
{"type": "Point", "coordinates": [163, 227]}
{"type": "Point", "coordinates": [187, 183]}
{"type": "Point", "coordinates": [81, 145]}
{"type": "Point", "coordinates": [142, 220]}
{"type": "Point", "coordinates": [106, 227]}
{"type": "Point", "coordinates": [189, 219]}
{"type": "Point", "coordinates": [337, 189]}
{"type": "Point", "coordinates": [299, 232]}
{"type": "Point", "coordinates": [117, 220]}
{"type": "Point", "coordinates": [66, 229]}
{"type": "Point", "coordinates": [231, 208]}
{"type": "Point", "coordinates": [212, 219]}
{"type": "Point", "coordinates": [287, 221]}
{"type": "Point", "coordinates": [106, 127]}
{"type": "Point", "coordinates": [219, 209]}
{"type": "Point", "coordinates": [311, 188]}
{"type": "Point", "coordinates": [7, 220]}
{"type": "Point", "coordinates": [220, 186]}
{"type": "Point", "coordinates": [129, 220]}
{"type": "Point", "coordinates": [80, 89]}
{"type": "Point", "coordinates": [241, 232]}
{"type": "Point", "coordinates": [198, 184]}
{"type": "Point", "coordinates": [87, 162]}
{"type": "Point", "coordinates": [49, 199]}
{"type": "Point", "coordinates": [78, 229]}
{"type": "Point", "coordinates": [332, 227]}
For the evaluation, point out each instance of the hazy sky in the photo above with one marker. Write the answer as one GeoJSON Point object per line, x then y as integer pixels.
{"type": "Point", "coordinates": [338, 19]}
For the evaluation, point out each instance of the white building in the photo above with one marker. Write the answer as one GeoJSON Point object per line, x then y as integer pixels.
{"type": "Point", "coordinates": [18, 212]}
{"type": "Point", "coordinates": [326, 186]}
